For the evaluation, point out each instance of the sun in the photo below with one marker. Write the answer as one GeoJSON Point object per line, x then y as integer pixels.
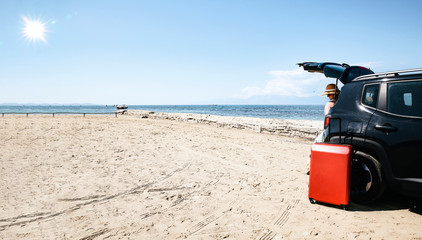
{"type": "Point", "coordinates": [34, 30]}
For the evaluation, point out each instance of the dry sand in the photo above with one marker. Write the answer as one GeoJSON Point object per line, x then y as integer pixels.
{"type": "Point", "coordinates": [102, 177]}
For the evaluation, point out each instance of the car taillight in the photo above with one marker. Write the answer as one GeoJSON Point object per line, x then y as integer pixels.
{"type": "Point", "coordinates": [326, 122]}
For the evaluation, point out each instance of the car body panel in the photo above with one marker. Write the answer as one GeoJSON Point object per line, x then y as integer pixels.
{"type": "Point", "coordinates": [402, 140]}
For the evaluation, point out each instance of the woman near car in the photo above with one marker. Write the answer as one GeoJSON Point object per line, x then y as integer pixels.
{"type": "Point", "coordinates": [332, 93]}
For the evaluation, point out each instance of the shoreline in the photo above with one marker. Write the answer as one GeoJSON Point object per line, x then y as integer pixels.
{"type": "Point", "coordinates": [308, 112]}
{"type": "Point", "coordinates": [307, 129]}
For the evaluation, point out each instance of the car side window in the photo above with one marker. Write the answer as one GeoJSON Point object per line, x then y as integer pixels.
{"type": "Point", "coordinates": [370, 95]}
{"type": "Point", "coordinates": [405, 98]}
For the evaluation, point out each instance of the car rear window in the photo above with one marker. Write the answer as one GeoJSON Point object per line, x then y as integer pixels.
{"type": "Point", "coordinates": [405, 98]}
{"type": "Point", "coordinates": [370, 95]}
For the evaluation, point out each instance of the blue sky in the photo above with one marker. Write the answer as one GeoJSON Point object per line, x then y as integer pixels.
{"type": "Point", "coordinates": [197, 51]}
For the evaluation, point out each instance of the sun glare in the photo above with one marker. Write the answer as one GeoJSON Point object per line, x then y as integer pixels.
{"type": "Point", "coordinates": [34, 30]}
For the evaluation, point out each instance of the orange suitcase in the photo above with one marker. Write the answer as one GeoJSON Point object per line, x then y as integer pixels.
{"type": "Point", "coordinates": [330, 170]}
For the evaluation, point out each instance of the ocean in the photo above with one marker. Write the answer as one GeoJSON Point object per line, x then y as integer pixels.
{"type": "Point", "coordinates": [301, 112]}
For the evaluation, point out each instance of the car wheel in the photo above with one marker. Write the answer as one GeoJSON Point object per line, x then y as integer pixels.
{"type": "Point", "coordinates": [367, 184]}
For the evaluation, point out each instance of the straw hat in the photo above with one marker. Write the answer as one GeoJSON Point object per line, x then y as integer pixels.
{"type": "Point", "coordinates": [331, 89]}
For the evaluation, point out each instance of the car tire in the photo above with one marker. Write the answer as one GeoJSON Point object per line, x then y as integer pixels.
{"type": "Point", "coordinates": [367, 183]}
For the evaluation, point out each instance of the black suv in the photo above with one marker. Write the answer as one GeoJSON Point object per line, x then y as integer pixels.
{"type": "Point", "coordinates": [380, 115]}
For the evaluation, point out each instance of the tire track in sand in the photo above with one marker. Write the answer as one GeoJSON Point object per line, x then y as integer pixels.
{"type": "Point", "coordinates": [34, 217]}
{"type": "Point", "coordinates": [270, 232]}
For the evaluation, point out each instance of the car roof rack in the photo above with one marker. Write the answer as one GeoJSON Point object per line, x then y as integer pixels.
{"type": "Point", "coordinates": [387, 74]}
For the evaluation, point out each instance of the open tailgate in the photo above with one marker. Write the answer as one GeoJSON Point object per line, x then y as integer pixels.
{"type": "Point", "coordinates": [343, 72]}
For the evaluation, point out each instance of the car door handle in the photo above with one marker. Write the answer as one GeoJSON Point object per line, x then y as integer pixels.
{"type": "Point", "coordinates": [385, 128]}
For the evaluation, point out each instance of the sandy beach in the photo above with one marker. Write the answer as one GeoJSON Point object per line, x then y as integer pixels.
{"type": "Point", "coordinates": [140, 176]}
